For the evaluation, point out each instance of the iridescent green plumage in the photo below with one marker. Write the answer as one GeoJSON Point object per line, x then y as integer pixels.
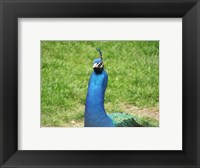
{"type": "Point", "coordinates": [121, 119]}
{"type": "Point", "coordinates": [124, 120]}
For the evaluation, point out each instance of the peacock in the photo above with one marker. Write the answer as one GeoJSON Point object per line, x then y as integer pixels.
{"type": "Point", "coordinates": [95, 114]}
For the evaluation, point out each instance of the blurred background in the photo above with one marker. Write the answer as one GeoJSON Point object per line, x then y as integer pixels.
{"type": "Point", "coordinates": [133, 79]}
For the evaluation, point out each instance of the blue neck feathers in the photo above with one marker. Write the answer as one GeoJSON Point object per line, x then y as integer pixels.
{"type": "Point", "coordinates": [95, 115]}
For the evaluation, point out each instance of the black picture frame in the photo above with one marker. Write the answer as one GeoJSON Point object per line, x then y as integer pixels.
{"type": "Point", "coordinates": [11, 10]}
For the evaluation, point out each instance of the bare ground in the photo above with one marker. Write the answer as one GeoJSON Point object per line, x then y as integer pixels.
{"type": "Point", "coordinates": [152, 112]}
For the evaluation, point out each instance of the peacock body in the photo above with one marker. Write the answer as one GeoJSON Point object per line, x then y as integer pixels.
{"type": "Point", "coordinates": [95, 114]}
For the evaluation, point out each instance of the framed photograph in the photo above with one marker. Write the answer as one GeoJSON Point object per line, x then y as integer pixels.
{"type": "Point", "coordinates": [100, 83]}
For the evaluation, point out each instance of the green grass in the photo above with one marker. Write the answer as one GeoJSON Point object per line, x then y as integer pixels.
{"type": "Point", "coordinates": [132, 67]}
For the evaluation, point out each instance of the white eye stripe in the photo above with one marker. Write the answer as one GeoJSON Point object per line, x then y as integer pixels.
{"type": "Point", "coordinates": [95, 65]}
{"type": "Point", "coordinates": [98, 65]}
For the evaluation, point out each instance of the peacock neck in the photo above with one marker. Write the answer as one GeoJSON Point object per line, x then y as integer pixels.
{"type": "Point", "coordinates": [95, 115]}
{"type": "Point", "coordinates": [95, 94]}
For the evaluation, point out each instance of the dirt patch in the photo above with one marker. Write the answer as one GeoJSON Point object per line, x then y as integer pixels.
{"type": "Point", "coordinates": [73, 123]}
{"type": "Point", "coordinates": [152, 112]}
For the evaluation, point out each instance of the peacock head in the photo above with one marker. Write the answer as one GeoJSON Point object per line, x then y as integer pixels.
{"type": "Point", "coordinates": [98, 63]}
